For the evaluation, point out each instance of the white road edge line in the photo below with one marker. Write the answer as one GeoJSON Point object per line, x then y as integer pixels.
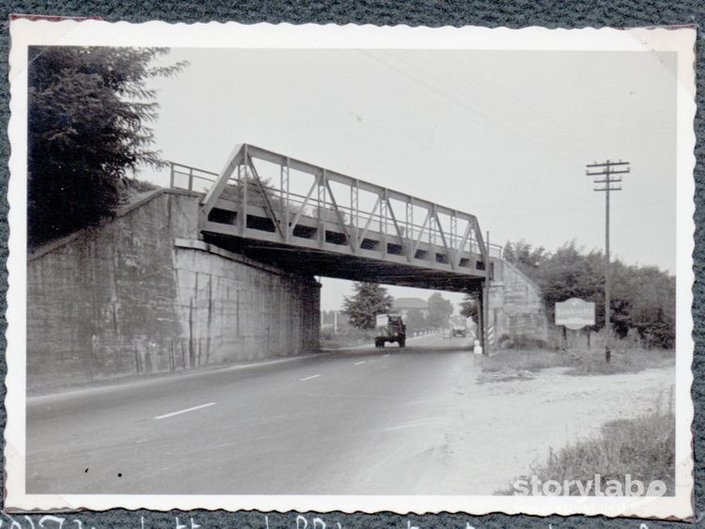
{"type": "Point", "coordinates": [184, 411]}
{"type": "Point", "coordinates": [359, 363]}
{"type": "Point", "coordinates": [309, 378]}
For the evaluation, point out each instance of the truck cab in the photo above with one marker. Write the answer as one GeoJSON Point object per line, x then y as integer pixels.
{"type": "Point", "coordinates": [390, 328]}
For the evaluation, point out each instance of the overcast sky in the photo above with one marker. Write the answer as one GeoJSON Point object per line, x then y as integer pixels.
{"type": "Point", "coordinates": [504, 135]}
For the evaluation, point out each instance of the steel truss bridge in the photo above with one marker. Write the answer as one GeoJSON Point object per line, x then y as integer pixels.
{"type": "Point", "coordinates": [312, 220]}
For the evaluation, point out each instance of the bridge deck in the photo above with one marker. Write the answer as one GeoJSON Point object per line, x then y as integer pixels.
{"type": "Point", "coordinates": [314, 220]}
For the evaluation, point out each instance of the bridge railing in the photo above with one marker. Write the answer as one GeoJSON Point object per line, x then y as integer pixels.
{"type": "Point", "coordinates": [190, 178]}
{"type": "Point", "coordinates": [495, 250]}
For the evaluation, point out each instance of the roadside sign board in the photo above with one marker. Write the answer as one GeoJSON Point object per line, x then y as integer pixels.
{"type": "Point", "coordinates": [575, 313]}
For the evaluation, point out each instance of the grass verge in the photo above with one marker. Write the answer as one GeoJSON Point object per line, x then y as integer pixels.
{"type": "Point", "coordinates": [349, 339]}
{"type": "Point", "coordinates": [627, 361]}
{"type": "Point", "coordinates": [521, 363]}
{"type": "Point", "coordinates": [642, 448]}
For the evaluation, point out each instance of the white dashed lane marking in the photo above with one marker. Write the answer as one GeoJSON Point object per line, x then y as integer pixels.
{"type": "Point", "coordinates": [184, 411]}
{"type": "Point", "coordinates": [359, 363]}
{"type": "Point", "coordinates": [309, 378]}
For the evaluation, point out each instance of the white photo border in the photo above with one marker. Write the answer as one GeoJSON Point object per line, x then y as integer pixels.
{"type": "Point", "coordinates": [25, 33]}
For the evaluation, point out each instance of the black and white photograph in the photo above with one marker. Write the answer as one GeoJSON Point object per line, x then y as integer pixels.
{"type": "Point", "coordinates": [350, 268]}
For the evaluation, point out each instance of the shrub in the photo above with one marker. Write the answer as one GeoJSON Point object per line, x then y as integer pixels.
{"type": "Point", "coordinates": [520, 341]}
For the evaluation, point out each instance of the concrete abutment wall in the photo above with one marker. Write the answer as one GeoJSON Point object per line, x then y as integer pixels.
{"type": "Point", "coordinates": [516, 309]}
{"type": "Point", "coordinates": [141, 294]}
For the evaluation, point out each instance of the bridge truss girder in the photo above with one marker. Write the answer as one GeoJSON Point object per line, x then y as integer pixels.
{"type": "Point", "coordinates": [310, 219]}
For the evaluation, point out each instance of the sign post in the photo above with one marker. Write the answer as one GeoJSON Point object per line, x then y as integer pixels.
{"type": "Point", "coordinates": [575, 313]}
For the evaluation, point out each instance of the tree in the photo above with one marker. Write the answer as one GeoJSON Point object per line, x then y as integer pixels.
{"type": "Point", "coordinates": [508, 253]}
{"type": "Point", "coordinates": [439, 310]}
{"type": "Point", "coordinates": [88, 113]}
{"type": "Point", "coordinates": [470, 306]}
{"type": "Point", "coordinates": [415, 320]}
{"type": "Point", "coordinates": [368, 300]}
{"type": "Point", "coordinates": [522, 254]}
{"type": "Point", "coordinates": [651, 298]}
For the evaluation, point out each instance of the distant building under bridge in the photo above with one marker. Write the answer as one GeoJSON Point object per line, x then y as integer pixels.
{"type": "Point", "coordinates": [404, 305]}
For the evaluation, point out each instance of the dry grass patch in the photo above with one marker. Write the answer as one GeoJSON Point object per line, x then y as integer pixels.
{"type": "Point", "coordinates": [524, 363]}
{"type": "Point", "coordinates": [592, 362]}
{"type": "Point", "coordinates": [642, 448]}
{"type": "Point", "coordinates": [525, 360]}
{"type": "Point", "coordinates": [351, 338]}
{"type": "Point", "coordinates": [520, 364]}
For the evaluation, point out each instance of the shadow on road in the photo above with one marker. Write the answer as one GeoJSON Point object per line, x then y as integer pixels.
{"type": "Point", "coordinates": [441, 348]}
{"type": "Point", "coordinates": [446, 347]}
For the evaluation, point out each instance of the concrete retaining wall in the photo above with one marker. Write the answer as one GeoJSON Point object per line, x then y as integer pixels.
{"type": "Point", "coordinates": [142, 295]}
{"type": "Point", "coordinates": [516, 306]}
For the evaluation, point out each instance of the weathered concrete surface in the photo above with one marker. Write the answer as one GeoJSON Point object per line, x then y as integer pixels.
{"type": "Point", "coordinates": [124, 299]}
{"type": "Point", "coordinates": [232, 304]}
{"type": "Point", "coordinates": [516, 306]}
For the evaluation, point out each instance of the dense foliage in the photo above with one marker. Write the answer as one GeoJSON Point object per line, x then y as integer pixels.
{"type": "Point", "coordinates": [368, 300]}
{"type": "Point", "coordinates": [415, 320]}
{"type": "Point", "coordinates": [439, 311]}
{"type": "Point", "coordinates": [470, 306]}
{"type": "Point", "coordinates": [642, 298]}
{"type": "Point", "coordinates": [88, 113]}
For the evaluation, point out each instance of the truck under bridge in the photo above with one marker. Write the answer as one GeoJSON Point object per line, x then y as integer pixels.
{"type": "Point", "coordinates": [313, 220]}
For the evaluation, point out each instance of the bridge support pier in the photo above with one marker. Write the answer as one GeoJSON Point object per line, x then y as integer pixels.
{"type": "Point", "coordinates": [485, 306]}
{"type": "Point", "coordinates": [481, 320]}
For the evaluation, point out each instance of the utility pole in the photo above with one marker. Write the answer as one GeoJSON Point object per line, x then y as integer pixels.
{"type": "Point", "coordinates": [606, 178]}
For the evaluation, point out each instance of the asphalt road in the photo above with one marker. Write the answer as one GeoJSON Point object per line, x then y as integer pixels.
{"type": "Point", "coordinates": [357, 422]}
